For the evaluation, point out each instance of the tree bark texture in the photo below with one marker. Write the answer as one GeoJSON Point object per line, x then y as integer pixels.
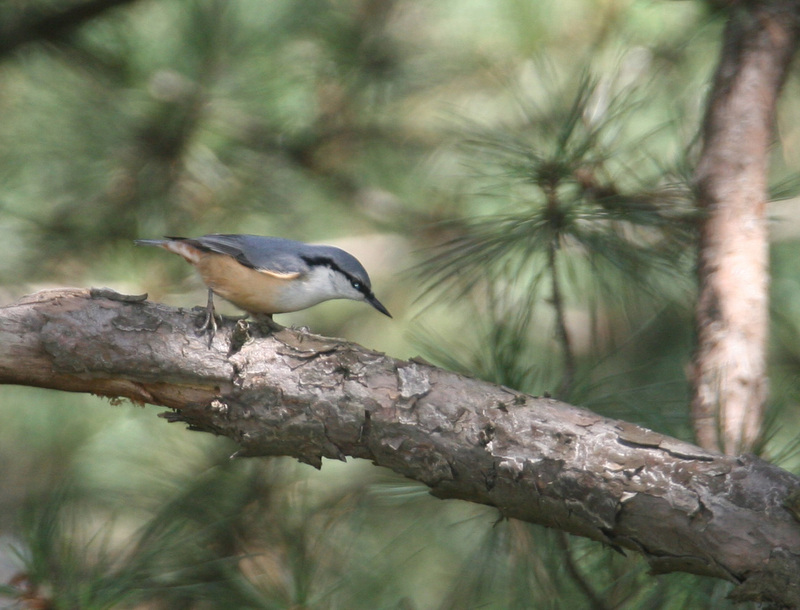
{"type": "Point", "coordinates": [729, 369]}
{"type": "Point", "coordinates": [535, 459]}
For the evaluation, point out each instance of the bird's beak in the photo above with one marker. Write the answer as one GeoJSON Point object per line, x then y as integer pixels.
{"type": "Point", "coordinates": [377, 305]}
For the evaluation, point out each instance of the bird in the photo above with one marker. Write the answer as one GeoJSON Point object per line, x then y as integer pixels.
{"type": "Point", "coordinates": [268, 275]}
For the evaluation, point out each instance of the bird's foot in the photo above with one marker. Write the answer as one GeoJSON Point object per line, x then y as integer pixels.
{"type": "Point", "coordinates": [266, 324]}
{"type": "Point", "coordinates": [208, 325]}
{"type": "Point", "coordinates": [208, 321]}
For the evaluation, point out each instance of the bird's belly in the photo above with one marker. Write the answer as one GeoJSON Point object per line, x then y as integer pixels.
{"type": "Point", "coordinates": [251, 290]}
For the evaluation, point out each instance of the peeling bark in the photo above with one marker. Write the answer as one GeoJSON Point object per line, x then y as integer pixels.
{"type": "Point", "coordinates": [535, 459]}
{"type": "Point", "coordinates": [729, 371]}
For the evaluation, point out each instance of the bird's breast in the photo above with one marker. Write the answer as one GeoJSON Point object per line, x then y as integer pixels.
{"type": "Point", "coordinates": [255, 291]}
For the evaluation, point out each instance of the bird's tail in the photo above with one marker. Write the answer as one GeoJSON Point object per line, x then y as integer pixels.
{"type": "Point", "coordinates": [150, 242]}
{"type": "Point", "coordinates": [174, 244]}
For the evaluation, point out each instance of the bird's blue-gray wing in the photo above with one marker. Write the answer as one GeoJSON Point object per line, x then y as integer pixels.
{"type": "Point", "coordinates": [274, 255]}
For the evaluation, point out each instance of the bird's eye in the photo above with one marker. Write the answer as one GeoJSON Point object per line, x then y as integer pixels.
{"type": "Point", "coordinates": [356, 285]}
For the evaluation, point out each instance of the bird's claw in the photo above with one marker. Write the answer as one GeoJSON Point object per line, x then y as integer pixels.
{"type": "Point", "coordinates": [267, 324]}
{"type": "Point", "coordinates": [208, 321]}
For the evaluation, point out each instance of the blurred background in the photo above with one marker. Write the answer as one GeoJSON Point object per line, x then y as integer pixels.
{"type": "Point", "coordinates": [514, 175]}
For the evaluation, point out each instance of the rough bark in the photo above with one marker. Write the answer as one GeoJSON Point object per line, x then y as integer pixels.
{"type": "Point", "coordinates": [535, 459]}
{"type": "Point", "coordinates": [729, 370]}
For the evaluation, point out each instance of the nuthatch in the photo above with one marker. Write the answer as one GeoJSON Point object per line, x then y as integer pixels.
{"type": "Point", "coordinates": [269, 275]}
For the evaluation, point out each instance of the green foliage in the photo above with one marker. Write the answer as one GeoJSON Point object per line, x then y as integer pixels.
{"type": "Point", "coordinates": [568, 220]}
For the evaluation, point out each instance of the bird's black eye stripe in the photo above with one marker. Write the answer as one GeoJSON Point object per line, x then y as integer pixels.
{"type": "Point", "coordinates": [359, 285]}
{"type": "Point", "coordinates": [324, 261]}
{"type": "Point", "coordinates": [327, 262]}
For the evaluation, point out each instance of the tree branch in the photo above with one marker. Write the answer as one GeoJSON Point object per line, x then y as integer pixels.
{"type": "Point", "coordinates": [535, 459]}
{"type": "Point", "coordinates": [729, 369]}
